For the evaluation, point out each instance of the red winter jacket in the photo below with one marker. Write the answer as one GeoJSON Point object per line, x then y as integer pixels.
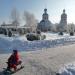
{"type": "Point", "coordinates": [14, 58]}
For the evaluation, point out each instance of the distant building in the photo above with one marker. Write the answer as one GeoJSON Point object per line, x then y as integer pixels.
{"type": "Point", "coordinates": [15, 29]}
{"type": "Point", "coordinates": [45, 24]}
{"type": "Point", "coordinates": [63, 22]}
{"type": "Point", "coordinates": [8, 26]}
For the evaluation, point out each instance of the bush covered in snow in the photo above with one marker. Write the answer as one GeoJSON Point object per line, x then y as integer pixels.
{"type": "Point", "coordinates": [71, 34]}
{"type": "Point", "coordinates": [60, 33]}
{"type": "Point", "coordinates": [43, 37]}
{"type": "Point", "coordinates": [32, 37]}
{"type": "Point", "coordinates": [38, 32]}
{"type": "Point", "coordinates": [9, 34]}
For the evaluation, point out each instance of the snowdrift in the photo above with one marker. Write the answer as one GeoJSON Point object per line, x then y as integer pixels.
{"type": "Point", "coordinates": [20, 43]}
{"type": "Point", "coordinates": [68, 69]}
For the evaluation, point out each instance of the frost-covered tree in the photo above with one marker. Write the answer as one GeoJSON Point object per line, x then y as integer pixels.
{"type": "Point", "coordinates": [30, 20]}
{"type": "Point", "coordinates": [15, 17]}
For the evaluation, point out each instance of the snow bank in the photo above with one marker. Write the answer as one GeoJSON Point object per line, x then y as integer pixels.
{"type": "Point", "coordinates": [68, 69]}
{"type": "Point", "coordinates": [20, 43]}
{"type": "Point", "coordinates": [52, 36]}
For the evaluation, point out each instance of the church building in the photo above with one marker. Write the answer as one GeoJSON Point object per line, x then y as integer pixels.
{"type": "Point", "coordinates": [45, 24]}
{"type": "Point", "coordinates": [63, 22]}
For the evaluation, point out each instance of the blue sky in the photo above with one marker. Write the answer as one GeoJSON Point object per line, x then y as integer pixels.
{"type": "Point", "coordinates": [36, 7]}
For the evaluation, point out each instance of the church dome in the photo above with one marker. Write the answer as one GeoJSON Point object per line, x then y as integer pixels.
{"type": "Point", "coordinates": [45, 15]}
{"type": "Point", "coordinates": [64, 15]}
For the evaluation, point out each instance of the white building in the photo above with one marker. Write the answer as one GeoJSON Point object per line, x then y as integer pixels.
{"type": "Point", "coordinates": [63, 22]}
{"type": "Point", "coordinates": [45, 24]}
{"type": "Point", "coordinates": [15, 29]}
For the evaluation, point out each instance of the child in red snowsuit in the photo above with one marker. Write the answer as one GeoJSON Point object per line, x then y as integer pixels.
{"type": "Point", "coordinates": [13, 60]}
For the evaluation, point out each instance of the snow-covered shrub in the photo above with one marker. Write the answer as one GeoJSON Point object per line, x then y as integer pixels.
{"type": "Point", "coordinates": [32, 37]}
{"type": "Point", "coordinates": [43, 37]}
{"type": "Point", "coordinates": [1, 31]}
{"type": "Point", "coordinates": [9, 34]}
{"type": "Point", "coordinates": [60, 33]}
{"type": "Point", "coordinates": [4, 32]}
{"type": "Point", "coordinates": [38, 32]}
{"type": "Point", "coordinates": [71, 33]}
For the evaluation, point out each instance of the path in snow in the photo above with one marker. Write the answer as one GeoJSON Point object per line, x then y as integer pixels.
{"type": "Point", "coordinates": [43, 62]}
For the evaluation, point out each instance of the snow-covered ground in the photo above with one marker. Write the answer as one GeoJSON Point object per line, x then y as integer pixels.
{"type": "Point", "coordinates": [53, 36]}
{"type": "Point", "coordinates": [45, 61]}
{"type": "Point", "coordinates": [43, 57]}
{"type": "Point", "coordinates": [20, 42]}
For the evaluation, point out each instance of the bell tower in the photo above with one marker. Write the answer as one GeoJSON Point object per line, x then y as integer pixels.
{"type": "Point", "coordinates": [45, 15]}
{"type": "Point", "coordinates": [63, 21]}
